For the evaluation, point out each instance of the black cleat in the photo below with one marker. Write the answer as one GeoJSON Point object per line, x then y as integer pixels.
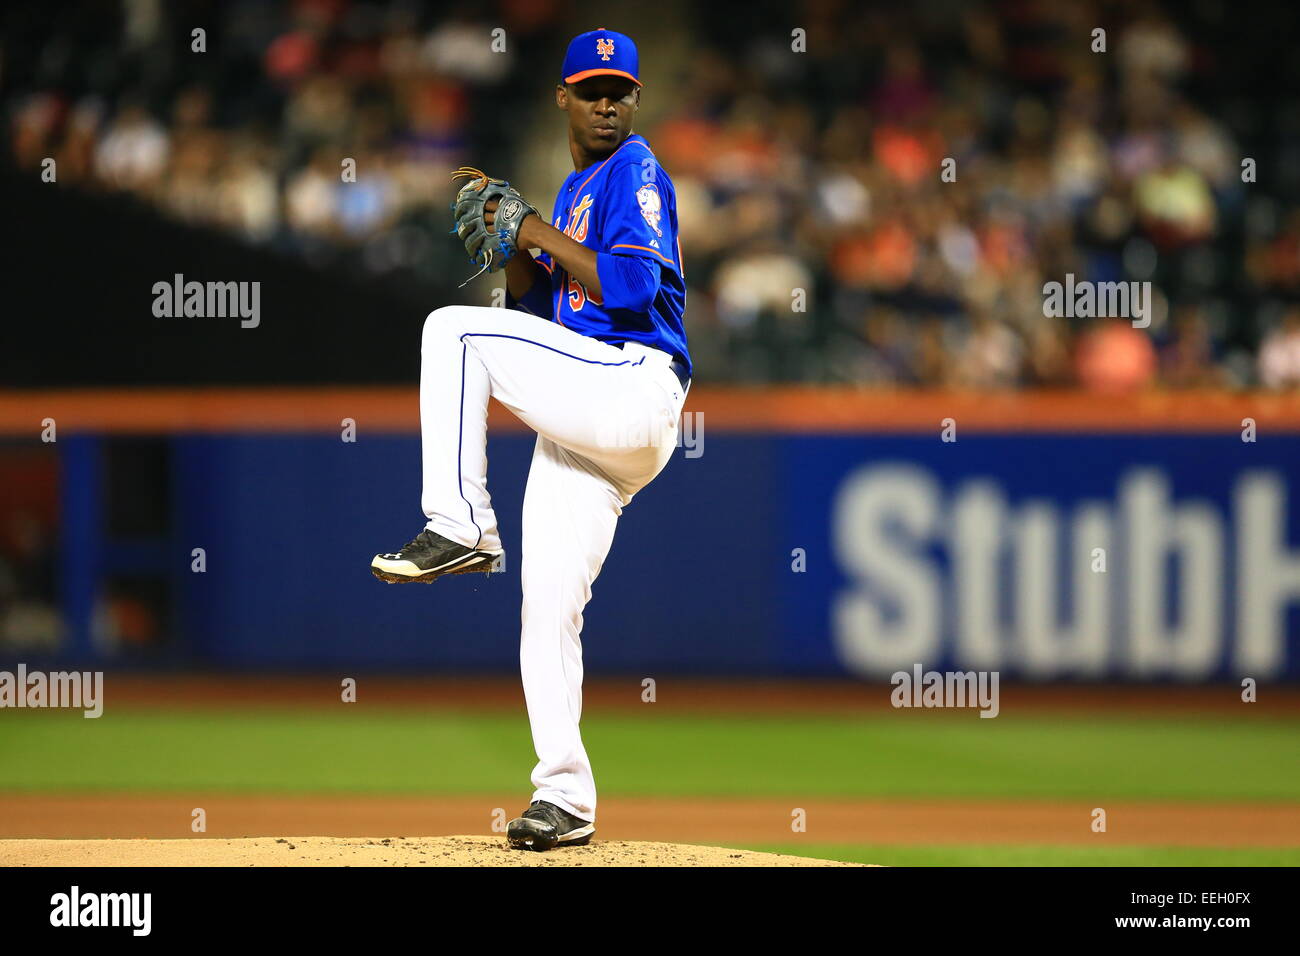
{"type": "Point", "coordinates": [544, 826]}
{"type": "Point", "coordinates": [430, 556]}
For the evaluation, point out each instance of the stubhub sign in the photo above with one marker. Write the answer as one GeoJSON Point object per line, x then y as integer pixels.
{"type": "Point", "coordinates": [1032, 558]}
{"type": "Point", "coordinates": [1140, 584]}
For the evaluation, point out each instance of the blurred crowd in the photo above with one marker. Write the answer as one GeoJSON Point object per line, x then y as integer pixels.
{"type": "Point", "coordinates": [867, 194]}
{"type": "Point", "coordinates": [824, 171]}
{"type": "Point", "coordinates": [321, 128]}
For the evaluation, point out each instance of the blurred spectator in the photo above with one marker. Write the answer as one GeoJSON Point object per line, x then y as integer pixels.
{"type": "Point", "coordinates": [766, 281]}
{"type": "Point", "coordinates": [1275, 263]}
{"type": "Point", "coordinates": [992, 356]}
{"type": "Point", "coordinates": [1080, 163]}
{"type": "Point", "coordinates": [133, 152]}
{"type": "Point", "coordinates": [1152, 48]}
{"type": "Point", "coordinates": [248, 200]}
{"type": "Point", "coordinates": [311, 197]}
{"type": "Point", "coordinates": [456, 48]}
{"type": "Point", "coordinates": [1188, 361]}
{"type": "Point", "coordinates": [1175, 205]}
{"type": "Point", "coordinates": [1279, 356]}
{"type": "Point", "coordinates": [1048, 361]}
{"type": "Point", "coordinates": [1113, 356]}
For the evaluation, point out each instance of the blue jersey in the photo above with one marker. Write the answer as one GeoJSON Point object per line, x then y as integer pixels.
{"type": "Point", "coordinates": [624, 206]}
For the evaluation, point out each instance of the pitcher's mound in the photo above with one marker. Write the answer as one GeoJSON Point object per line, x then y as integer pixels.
{"type": "Point", "coordinates": [364, 851]}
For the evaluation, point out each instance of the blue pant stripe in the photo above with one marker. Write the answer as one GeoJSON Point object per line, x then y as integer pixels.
{"type": "Point", "coordinates": [460, 440]}
{"type": "Point", "coordinates": [518, 338]}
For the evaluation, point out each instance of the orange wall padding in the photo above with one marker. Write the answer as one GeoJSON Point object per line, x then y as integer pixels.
{"type": "Point", "coordinates": [777, 409]}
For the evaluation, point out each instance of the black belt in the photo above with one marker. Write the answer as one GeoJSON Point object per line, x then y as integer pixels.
{"type": "Point", "coordinates": [677, 365]}
{"type": "Point", "coordinates": [679, 369]}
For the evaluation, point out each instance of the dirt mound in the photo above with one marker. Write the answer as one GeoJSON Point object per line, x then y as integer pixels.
{"type": "Point", "coordinates": [367, 851]}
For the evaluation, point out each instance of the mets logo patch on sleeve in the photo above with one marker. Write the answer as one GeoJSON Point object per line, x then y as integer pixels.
{"type": "Point", "coordinates": [647, 198]}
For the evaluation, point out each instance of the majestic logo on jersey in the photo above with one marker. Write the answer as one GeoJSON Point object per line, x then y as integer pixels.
{"type": "Point", "coordinates": [647, 197]}
{"type": "Point", "coordinates": [605, 47]}
{"type": "Point", "coordinates": [579, 219]}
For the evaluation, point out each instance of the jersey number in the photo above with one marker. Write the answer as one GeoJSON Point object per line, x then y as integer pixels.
{"type": "Point", "coordinates": [577, 294]}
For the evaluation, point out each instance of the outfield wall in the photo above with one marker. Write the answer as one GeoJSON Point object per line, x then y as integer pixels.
{"type": "Point", "coordinates": [1036, 544]}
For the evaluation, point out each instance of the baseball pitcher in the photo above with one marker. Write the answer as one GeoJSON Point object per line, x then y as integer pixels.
{"type": "Point", "coordinates": [591, 354]}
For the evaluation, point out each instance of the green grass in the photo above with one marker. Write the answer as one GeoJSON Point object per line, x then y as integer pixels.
{"type": "Point", "coordinates": [975, 855]}
{"type": "Point", "coordinates": [656, 754]}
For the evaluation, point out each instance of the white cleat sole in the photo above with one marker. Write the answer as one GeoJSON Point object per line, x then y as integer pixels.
{"type": "Point", "coordinates": [404, 572]}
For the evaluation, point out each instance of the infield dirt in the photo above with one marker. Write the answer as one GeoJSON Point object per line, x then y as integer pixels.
{"type": "Point", "coordinates": [361, 851]}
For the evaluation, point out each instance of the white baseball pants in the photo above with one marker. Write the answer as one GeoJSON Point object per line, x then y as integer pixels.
{"type": "Point", "coordinates": [606, 422]}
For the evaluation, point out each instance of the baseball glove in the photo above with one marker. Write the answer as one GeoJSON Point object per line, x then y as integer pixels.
{"type": "Point", "coordinates": [489, 250]}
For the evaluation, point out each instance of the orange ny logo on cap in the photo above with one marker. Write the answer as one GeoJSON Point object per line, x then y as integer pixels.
{"type": "Point", "coordinates": [605, 47]}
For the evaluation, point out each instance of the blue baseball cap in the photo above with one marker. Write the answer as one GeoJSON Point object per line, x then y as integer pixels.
{"type": "Point", "coordinates": [601, 53]}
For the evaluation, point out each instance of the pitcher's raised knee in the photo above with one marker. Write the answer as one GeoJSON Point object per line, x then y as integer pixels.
{"type": "Point", "coordinates": [442, 325]}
